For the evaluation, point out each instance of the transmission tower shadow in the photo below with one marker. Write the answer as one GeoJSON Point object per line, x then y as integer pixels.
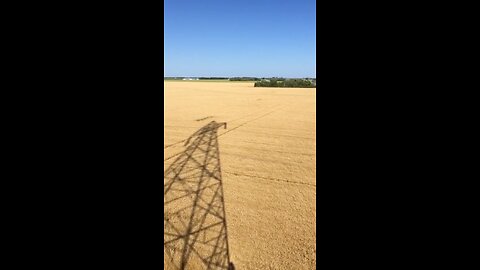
{"type": "Point", "coordinates": [195, 227]}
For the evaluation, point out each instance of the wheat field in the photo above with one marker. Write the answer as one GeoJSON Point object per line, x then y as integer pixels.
{"type": "Point", "coordinates": [255, 205]}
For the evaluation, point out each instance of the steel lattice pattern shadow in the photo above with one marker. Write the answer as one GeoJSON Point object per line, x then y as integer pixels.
{"type": "Point", "coordinates": [195, 229]}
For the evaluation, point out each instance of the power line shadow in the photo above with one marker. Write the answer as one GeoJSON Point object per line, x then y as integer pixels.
{"type": "Point", "coordinates": [195, 227]}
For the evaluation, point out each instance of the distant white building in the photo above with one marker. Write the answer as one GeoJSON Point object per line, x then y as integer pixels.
{"type": "Point", "coordinates": [191, 79]}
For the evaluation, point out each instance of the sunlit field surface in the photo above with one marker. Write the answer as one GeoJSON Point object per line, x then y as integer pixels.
{"type": "Point", "coordinates": [244, 194]}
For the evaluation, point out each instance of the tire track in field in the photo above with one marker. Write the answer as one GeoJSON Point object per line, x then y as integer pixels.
{"type": "Point", "coordinates": [270, 179]}
{"type": "Point", "coordinates": [275, 151]}
{"type": "Point", "coordinates": [269, 159]}
{"type": "Point", "coordinates": [280, 135]}
{"type": "Point", "coordinates": [267, 144]}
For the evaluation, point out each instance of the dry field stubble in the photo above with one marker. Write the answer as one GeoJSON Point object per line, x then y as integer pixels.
{"type": "Point", "coordinates": [268, 171]}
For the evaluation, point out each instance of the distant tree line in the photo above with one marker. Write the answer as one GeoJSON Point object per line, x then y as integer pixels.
{"type": "Point", "coordinates": [290, 83]}
{"type": "Point", "coordinates": [244, 79]}
{"type": "Point", "coordinates": [213, 78]}
{"type": "Point", "coordinates": [263, 82]}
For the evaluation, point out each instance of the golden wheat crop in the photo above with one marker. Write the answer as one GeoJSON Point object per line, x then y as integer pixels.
{"type": "Point", "coordinates": [267, 158]}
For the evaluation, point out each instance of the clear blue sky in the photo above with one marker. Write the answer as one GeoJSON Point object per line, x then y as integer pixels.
{"type": "Point", "coordinates": [262, 38]}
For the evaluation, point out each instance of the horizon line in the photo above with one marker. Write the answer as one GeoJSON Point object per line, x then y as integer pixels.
{"type": "Point", "coordinates": [237, 77]}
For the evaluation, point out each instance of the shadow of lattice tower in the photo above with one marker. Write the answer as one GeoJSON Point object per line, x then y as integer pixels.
{"type": "Point", "coordinates": [195, 229]}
